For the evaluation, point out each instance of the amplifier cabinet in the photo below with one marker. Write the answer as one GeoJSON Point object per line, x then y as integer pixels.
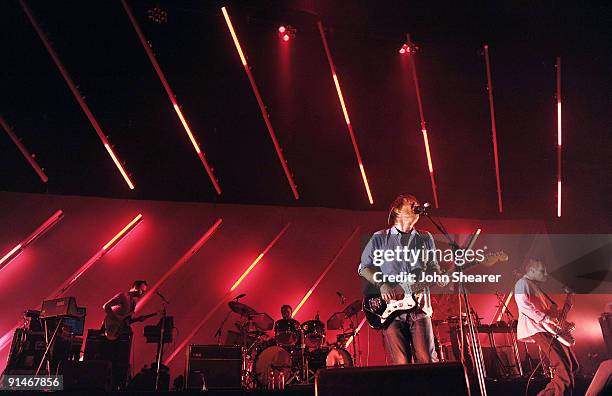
{"type": "Point", "coordinates": [213, 367]}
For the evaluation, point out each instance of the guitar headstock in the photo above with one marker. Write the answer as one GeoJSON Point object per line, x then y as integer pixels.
{"type": "Point", "coordinates": [492, 258]}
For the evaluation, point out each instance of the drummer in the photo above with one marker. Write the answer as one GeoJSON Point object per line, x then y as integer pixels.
{"type": "Point", "coordinates": [286, 312]}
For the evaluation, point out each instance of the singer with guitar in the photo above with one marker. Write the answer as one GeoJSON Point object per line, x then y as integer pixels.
{"type": "Point", "coordinates": [410, 331]}
{"type": "Point", "coordinates": [538, 317]}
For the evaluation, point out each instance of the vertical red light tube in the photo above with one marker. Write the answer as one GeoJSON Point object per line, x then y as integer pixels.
{"type": "Point", "coordinates": [559, 130]}
{"type": "Point", "coordinates": [77, 95]}
{"type": "Point", "coordinates": [24, 151]}
{"type": "Point", "coordinates": [345, 113]}
{"type": "Point", "coordinates": [430, 166]}
{"type": "Point", "coordinates": [493, 128]}
{"type": "Point", "coordinates": [262, 106]}
{"type": "Point", "coordinates": [171, 96]}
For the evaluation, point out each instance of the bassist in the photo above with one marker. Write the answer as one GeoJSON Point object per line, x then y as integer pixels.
{"type": "Point", "coordinates": [535, 313]}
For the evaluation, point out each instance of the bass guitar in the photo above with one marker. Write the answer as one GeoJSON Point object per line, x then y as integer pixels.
{"type": "Point", "coordinates": [561, 329]}
{"type": "Point", "coordinates": [115, 325]}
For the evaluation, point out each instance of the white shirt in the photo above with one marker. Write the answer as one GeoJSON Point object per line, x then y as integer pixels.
{"type": "Point", "coordinates": [532, 306]}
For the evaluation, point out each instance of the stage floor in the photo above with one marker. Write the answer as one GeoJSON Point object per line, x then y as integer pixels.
{"type": "Point", "coordinates": [513, 387]}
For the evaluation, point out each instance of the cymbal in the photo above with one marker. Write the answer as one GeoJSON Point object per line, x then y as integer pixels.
{"type": "Point", "coordinates": [241, 309]}
{"type": "Point", "coordinates": [263, 321]}
{"type": "Point", "coordinates": [353, 308]}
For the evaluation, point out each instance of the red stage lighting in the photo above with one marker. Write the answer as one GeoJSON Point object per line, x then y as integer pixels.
{"type": "Point", "coordinates": [262, 107]}
{"type": "Point", "coordinates": [430, 167]}
{"type": "Point", "coordinates": [345, 112]}
{"type": "Point", "coordinates": [50, 222]}
{"type": "Point", "coordinates": [26, 154]}
{"type": "Point", "coordinates": [75, 92]}
{"type": "Point", "coordinates": [60, 290]}
{"type": "Point", "coordinates": [350, 340]}
{"type": "Point", "coordinates": [171, 96]}
{"type": "Point", "coordinates": [285, 37]}
{"type": "Point", "coordinates": [325, 271]}
{"type": "Point", "coordinates": [224, 298]}
{"type": "Point", "coordinates": [256, 261]}
{"type": "Point", "coordinates": [493, 129]}
{"type": "Point", "coordinates": [192, 251]}
{"type": "Point", "coordinates": [558, 137]}
{"type": "Point", "coordinates": [282, 29]}
{"type": "Point", "coordinates": [123, 232]}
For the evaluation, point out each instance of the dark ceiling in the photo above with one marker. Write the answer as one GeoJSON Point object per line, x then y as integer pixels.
{"type": "Point", "coordinates": [101, 51]}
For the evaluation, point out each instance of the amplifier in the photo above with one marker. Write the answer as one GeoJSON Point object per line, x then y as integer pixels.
{"type": "Point", "coordinates": [213, 367]}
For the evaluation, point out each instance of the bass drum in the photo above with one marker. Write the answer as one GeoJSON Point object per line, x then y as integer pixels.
{"type": "Point", "coordinates": [271, 358]}
{"type": "Point", "coordinates": [329, 357]}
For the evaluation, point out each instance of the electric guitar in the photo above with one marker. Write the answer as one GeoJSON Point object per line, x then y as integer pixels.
{"type": "Point", "coordinates": [379, 313]}
{"type": "Point", "coordinates": [115, 325]}
{"type": "Point", "coordinates": [562, 329]}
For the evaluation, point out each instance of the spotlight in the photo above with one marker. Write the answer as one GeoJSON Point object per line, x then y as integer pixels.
{"type": "Point", "coordinates": [408, 49]}
{"type": "Point", "coordinates": [158, 15]}
{"type": "Point", "coordinates": [286, 32]}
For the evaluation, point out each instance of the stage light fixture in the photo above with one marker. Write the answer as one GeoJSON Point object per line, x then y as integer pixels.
{"type": "Point", "coordinates": [171, 96]}
{"type": "Point", "coordinates": [345, 112]}
{"type": "Point", "coordinates": [262, 107]}
{"type": "Point", "coordinates": [286, 32]}
{"type": "Point", "coordinates": [77, 95]}
{"type": "Point", "coordinates": [408, 48]}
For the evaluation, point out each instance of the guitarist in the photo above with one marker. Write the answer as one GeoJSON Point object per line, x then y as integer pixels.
{"type": "Point", "coordinates": [116, 327]}
{"type": "Point", "coordinates": [411, 331]}
{"type": "Point", "coordinates": [535, 310]}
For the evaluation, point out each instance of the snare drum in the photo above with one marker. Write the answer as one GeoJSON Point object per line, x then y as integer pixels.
{"type": "Point", "coordinates": [314, 333]}
{"type": "Point", "coordinates": [287, 332]}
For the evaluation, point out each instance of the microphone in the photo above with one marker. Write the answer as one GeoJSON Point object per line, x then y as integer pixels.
{"type": "Point", "coordinates": [239, 296]}
{"type": "Point", "coordinates": [421, 209]}
{"type": "Point", "coordinates": [342, 298]}
{"type": "Point", "coordinates": [162, 297]}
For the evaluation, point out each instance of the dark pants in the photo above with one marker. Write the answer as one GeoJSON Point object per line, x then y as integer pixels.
{"type": "Point", "coordinates": [562, 361]}
{"type": "Point", "coordinates": [410, 335]}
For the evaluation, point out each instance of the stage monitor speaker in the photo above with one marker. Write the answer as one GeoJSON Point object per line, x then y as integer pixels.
{"type": "Point", "coordinates": [417, 379]}
{"type": "Point", "coordinates": [87, 375]}
{"type": "Point", "coordinates": [214, 367]}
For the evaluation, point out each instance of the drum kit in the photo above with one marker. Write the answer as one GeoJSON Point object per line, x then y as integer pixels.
{"type": "Point", "coordinates": [287, 351]}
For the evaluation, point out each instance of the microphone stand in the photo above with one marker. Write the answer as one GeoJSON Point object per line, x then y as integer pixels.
{"type": "Point", "coordinates": [160, 346]}
{"type": "Point", "coordinates": [220, 329]}
{"type": "Point", "coordinates": [462, 294]}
